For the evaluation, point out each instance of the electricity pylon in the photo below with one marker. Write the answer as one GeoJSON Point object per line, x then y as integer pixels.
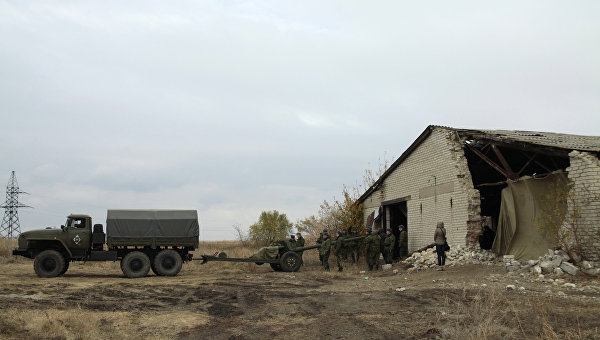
{"type": "Point", "coordinates": [10, 227]}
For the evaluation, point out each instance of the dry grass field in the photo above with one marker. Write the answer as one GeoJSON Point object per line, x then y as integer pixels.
{"type": "Point", "coordinates": [245, 301]}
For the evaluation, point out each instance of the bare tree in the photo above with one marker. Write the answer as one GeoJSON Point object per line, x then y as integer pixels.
{"type": "Point", "coordinates": [344, 212]}
{"type": "Point", "coordinates": [241, 234]}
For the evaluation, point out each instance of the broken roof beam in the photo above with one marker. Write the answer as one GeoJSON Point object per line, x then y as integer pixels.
{"type": "Point", "coordinates": [526, 164]}
{"type": "Point", "coordinates": [488, 161]}
{"type": "Point", "coordinates": [484, 138]}
{"type": "Point", "coordinates": [511, 174]}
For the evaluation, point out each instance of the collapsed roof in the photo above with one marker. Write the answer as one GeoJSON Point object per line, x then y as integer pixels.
{"type": "Point", "coordinates": [528, 150]}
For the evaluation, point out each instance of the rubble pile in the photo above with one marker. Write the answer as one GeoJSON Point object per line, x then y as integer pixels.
{"type": "Point", "coordinates": [457, 255]}
{"type": "Point", "coordinates": [554, 262]}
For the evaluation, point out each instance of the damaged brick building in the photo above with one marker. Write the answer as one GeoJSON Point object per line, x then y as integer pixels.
{"type": "Point", "coordinates": [472, 179]}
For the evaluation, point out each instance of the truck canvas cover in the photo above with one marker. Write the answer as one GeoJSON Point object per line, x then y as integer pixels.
{"type": "Point", "coordinates": [152, 224]}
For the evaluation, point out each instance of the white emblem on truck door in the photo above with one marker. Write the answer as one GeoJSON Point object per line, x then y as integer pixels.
{"type": "Point", "coordinates": [76, 240]}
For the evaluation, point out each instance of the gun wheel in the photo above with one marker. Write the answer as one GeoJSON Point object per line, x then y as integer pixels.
{"type": "Point", "coordinates": [290, 262]}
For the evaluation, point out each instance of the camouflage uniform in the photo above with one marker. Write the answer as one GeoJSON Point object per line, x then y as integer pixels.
{"type": "Point", "coordinates": [389, 244]}
{"type": "Point", "coordinates": [382, 243]}
{"type": "Point", "coordinates": [299, 244]}
{"type": "Point", "coordinates": [372, 249]}
{"type": "Point", "coordinates": [324, 252]}
{"type": "Point", "coordinates": [354, 246]}
{"type": "Point", "coordinates": [339, 250]}
{"type": "Point", "coordinates": [403, 243]}
{"type": "Point", "coordinates": [345, 245]}
{"type": "Point", "coordinates": [319, 241]}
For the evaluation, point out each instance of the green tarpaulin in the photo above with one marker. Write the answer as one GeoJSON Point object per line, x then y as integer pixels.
{"type": "Point", "coordinates": [152, 223]}
{"type": "Point", "coordinates": [518, 233]}
{"type": "Point", "coordinates": [267, 253]}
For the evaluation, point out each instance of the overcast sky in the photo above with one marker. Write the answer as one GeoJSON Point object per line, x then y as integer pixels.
{"type": "Point", "coordinates": [235, 107]}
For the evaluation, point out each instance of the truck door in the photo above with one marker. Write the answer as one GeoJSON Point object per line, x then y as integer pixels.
{"type": "Point", "coordinates": [78, 236]}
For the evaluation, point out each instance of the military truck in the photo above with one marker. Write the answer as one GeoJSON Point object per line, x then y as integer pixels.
{"type": "Point", "coordinates": [160, 240]}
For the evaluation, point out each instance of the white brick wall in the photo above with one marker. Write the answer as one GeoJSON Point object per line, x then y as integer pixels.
{"type": "Point", "coordinates": [584, 172]}
{"type": "Point", "coordinates": [439, 159]}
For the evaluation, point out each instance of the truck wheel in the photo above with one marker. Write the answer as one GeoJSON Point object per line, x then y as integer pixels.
{"type": "Point", "coordinates": [290, 262]}
{"type": "Point", "coordinates": [49, 263]}
{"type": "Point", "coordinates": [276, 266]}
{"type": "Point", "coordinates": [65, 269]}
{"type": "Point", "coordinates": [168, 262]}
{"type": "Point", "coordinates": [135, 264]}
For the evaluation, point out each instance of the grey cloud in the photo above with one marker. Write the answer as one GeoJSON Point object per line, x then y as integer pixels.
{"type": "Point", "coordinates": [233, 107]}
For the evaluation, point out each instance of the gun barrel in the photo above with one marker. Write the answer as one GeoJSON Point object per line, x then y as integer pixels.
{"type": "Point", "coordinates": [354, 238]}
{"type": "Point", "coordinates": [333, 242]}
{"type": "Point", "coordinates": [307, 247]}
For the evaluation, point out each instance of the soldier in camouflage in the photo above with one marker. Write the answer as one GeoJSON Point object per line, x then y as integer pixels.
{"type": "Point", "coordinates": [403, 242]}
{"type": "Point", "coordinates": [339, 249]}
{"type": "Point", "coordinates": [299, 244]}
{"type": "Point", "coordinates": [354, 246]}
{"type": "Point", "coordinates": [325, 250]}
{"type": "Point", "coordinates": [371, 249]}
{"type": "Point", "coordinates": [320, 241]}
{"type": "Point", "coordinates": [345, 245]}
{"type": "Point", "coordinates": [382, 244]}
{"type": "Point", "coordinates": [389, 244]}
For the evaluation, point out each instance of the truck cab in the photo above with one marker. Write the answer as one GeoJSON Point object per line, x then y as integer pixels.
{"type": "Point", "coordinates": [77, 235]}
{"type": "Point", "coordinates": [73, 240]}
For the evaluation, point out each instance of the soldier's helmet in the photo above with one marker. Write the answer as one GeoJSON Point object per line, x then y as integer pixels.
{"type": "Point", "coordinates": [354, 230]}
{"type": "Point", "coordinates": [388, 229]}
{"type": "Point", "coordinates": [293, 236]}
{"type": "Point", "coordinates": [339, 232]}
{"type": "Point", "coordinates": [369, 230]}
{"type": "Point", "coordinates": [299, 235]}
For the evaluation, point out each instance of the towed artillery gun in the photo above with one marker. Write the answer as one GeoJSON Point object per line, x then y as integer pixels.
{"type": "Point", "coordinates": [280, 255]}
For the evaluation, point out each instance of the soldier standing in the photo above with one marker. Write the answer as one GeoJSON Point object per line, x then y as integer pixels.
{"type": "Point", "coordinates": [339, 249]}
{"type": "Point", "coordinates": [390, 241]}
{"type": "Point", "coordinates": [403, 242]}
{"type": "Point", "coordinates": [345, 245]}
{"type": "Point", "coordinates": [371, 248]}
{"type": "Point", "coordinates": [355, 246]}
{"type": "Point", "coordinates": [293, 241]}
{"type": "Point", "coordinates": [299, 244]}
{"type": "Point", "coordinates": [325, 250]}
{"type": "Point", "coordinates": [382, 244]}
{"type": "Point", "coordinates": [299, 240]}
{"type": "Point", "coordinates": [320, 241]}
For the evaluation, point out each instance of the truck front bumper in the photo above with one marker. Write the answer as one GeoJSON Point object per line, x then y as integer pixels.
{"type": "Point", "coordinates": [22, 252]}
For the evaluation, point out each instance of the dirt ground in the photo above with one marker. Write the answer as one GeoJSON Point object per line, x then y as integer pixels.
{"type": "Point", "coordinates": [242, 301]}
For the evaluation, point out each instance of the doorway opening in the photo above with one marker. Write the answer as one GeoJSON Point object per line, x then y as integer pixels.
{"type": "Point", "coordinates": [397, 215]}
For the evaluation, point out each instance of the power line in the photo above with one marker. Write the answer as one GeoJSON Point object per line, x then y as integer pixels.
{"type": "Point", "coordinates": [10, 227]}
